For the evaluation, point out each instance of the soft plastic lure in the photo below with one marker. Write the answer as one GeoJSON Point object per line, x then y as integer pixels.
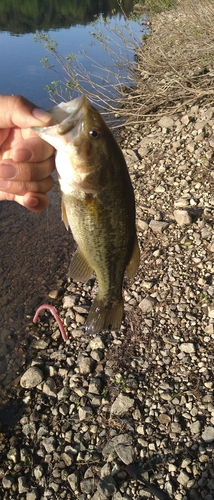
{"type": "Point", "coordinates": [55, 314]}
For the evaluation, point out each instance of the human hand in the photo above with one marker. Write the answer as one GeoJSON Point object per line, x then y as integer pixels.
{"type": "Point", "coordinates": [26, 161]}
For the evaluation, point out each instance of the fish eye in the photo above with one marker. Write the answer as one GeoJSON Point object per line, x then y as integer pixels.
{"type": "Point", "coordinates": [95, 133]}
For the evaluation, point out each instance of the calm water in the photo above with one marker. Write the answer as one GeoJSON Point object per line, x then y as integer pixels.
{"type": "Point", "coordinates": [35, 249]}
{"type": "Point", "coordinates": [67, 22]}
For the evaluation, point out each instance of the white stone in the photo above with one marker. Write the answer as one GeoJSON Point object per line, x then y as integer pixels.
{"type": "Point", "coordinates": [140, 429]}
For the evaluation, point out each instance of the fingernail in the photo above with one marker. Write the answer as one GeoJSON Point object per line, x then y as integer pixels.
{"type": "Point", "coordinates": [22, 155]}
{"type": "Point", "coordinates": [32, 202]}
{"type": "Point", "coordinates": [8, 171]}
{"type": "Point", "coordinates": [41, 115]}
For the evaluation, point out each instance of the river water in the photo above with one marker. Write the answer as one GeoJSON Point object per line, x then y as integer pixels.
{"type": "Point", "coordinates": [35, 249]}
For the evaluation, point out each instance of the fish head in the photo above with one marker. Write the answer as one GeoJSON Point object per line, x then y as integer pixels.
{"type": "Point", "coordinates": [83, 143]}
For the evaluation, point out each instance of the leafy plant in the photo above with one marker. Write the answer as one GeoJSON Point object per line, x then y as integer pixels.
{"type": "Point", "coordinates": [108, 86]}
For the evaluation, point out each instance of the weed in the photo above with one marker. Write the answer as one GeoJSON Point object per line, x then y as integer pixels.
{"type": "Point", "coordinates": [119, 381]}
{"type": "Point", "coordinates": [187, 244]}
{"type": "Point", "coordinates": [204, 298]}
{"type": "Point", "coordinates": [104, 393]}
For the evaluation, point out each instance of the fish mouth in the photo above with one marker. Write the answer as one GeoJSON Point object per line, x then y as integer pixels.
{"type": "Point", "coordinates": [68, 114]}
{"type": "Point", "coordinates": [67, 118]}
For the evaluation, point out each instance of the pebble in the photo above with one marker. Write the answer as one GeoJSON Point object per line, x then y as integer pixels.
{"type": "Point", "coordinates": [181, 203]}
{"type": "Point", "coordinates": [195, 427]}
{"type": "Point", "coordinates": [73, 480]}
{"type": "Point", "coordinates": [49, 444]}
{"type": "Point", "coordinates": [49, 387]}
{"type": "Point", "coordinates": [38, 471]}
{"type": "Point", "coordinates": [166, 122]}
{"type": "Point", "coordinates": [147, 304]}
{"type": "Point", "coordinates": [121, 405]}
{"type": "Point", "coordinates": [120, 439]}
{"type": "Point", "coordinates": [68, 301]}
{"type": "Point", "coordinates": [125, 453]}
{"type": "Point", "coordinates": [85, 412]}
{"type": "Point", "coordinates": [164, 418]}
{"type": "Point", "coordinates": [187, 347]}
{"type": "Point", "coordinates": [158, 226]}
{"type": "Point", "coordinates": [96, 343]}
{"type": "Point", "coordinates": [7, 482]}
{"type": "Point", "coordinates": [183, 478]}
{"type": "Point", "coordinates": [182, 217]}
{"type": "Point", "coordinates": [85, 364]}
{"type": "Point", "coordinates": [32, 495]}
{"type": "Point", "coordinates": [32, 377]}
{"type": "Point", "coordinates": [53, 294]}
{"type": "Point", "coordinates": [208, 434]}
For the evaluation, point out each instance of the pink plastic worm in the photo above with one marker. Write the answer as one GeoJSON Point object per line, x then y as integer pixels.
{"type": "Point", "coordinates": [55, 314]}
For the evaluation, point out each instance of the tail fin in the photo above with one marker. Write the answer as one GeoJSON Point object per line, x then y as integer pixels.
{"type": "Point", "coordinates": [102, 316]}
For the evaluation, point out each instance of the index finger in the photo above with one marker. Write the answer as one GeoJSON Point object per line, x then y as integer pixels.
{"type": "Point", "coordinates": [16, 111]}
{"type": "Point", "coordinates": [33, 149]}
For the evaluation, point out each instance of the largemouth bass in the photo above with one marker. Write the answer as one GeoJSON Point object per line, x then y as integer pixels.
{"type": "Point", "coordinates": [97, 204]}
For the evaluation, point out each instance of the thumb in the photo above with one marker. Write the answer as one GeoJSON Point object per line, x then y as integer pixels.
{"type": "Point", "coordinates": [18, 111]}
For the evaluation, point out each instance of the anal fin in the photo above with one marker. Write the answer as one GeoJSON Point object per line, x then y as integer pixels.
{"type": "Point", "coordinates": [79, 268]}
{"type": "Point", "coordinates": [134, 262]}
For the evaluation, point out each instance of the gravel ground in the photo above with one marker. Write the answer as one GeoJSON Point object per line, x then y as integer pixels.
{"type": "Point", "coordinates": [84, 409]}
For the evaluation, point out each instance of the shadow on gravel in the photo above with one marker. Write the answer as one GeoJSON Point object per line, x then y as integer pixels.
{"type": "Point", "coordinates": [35, 253]}
{"type": "Point", "coordinates": [195, 213]}
{"type": "Point", "coordinates": [10, 414]}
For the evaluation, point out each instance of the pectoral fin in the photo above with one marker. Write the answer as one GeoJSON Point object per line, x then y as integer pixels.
{"type": "Point", "coordinates": [79, 268]}
{"type": "Point", "coordinates": [134, 262]}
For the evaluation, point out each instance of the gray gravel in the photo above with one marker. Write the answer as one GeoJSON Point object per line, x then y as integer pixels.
{"type": "Point", "coordinates": [92, 405]}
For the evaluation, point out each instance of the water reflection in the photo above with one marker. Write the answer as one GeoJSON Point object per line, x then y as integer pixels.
{"type": "Point", "coordinates": [31, 15]}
